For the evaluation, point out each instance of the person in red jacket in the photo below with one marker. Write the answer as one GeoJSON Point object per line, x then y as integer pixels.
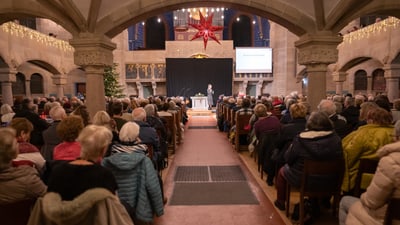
{"type": "Point", "coordinates": [68, 130]}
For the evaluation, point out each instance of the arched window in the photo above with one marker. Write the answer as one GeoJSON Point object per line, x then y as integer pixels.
{"type": "Point", "coordinates": [360, 80]}
{"type": "Point", "coordinates": [378, 80]}
{"type": "Point", "coordinates": [18, 88]}
{"type": "Point", "coordinates": [155, 33]}
{"type": "Point", "coordinates": [241, 31]}
{"type": "Point", "coordinates": [36, 84]}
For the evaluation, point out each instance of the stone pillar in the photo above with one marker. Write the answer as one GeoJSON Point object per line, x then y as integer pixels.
{"type": "Point", "coordinates": [259, 88]}
{"type": "Point", "coordinates": [244, 87]}
{"type": "Point", "coordinates": [369, 84]}
{"type": "Point", "coordinates": [339, 78]}
{"type": "Point", "coordinates": [28, 88]}
{"type": "Point", "coordinates": [316, 52]}
{"type": "Point", "coordinates": [60, 80]}
{"type": "Point", "coordinates": [140, 89]}
{"type": "Point", "coordinates": [392, 75]}
{"type": "Point", "coordinates": [154, 86]}
{"type": "Point", "coordinates": [7, 76]}
{"type": "Point", "coordinates": [93, 53]}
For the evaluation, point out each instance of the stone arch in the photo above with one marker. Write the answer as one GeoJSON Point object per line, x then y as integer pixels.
{"type": "Point", "coordinates": [289, 18]}
{"type": "Point", "coordinates": [233, 25]}
{"type": "Point", "coordinates": [353, 62]}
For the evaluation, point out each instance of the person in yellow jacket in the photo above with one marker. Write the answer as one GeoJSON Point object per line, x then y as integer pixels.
{"type": "Point", "coordinates": [364, 142]}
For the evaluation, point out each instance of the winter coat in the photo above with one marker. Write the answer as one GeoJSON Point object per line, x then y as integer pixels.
{"type": "Point", "coordinates": [314, 145]}
{"type": "Point", "coordinates": [19, 183]}
{"type": "Point", "coordinates": [29, 152]}
{"type": "Point", "coordinates": [51, 140]}
{"type": "Point", "coordinates": [138, 183]}
{"type": "Point", "coordinates": [385, 184]}
{"type": "Point", "coordinates": [95, 206]}
{"type": "Point", "coordinates": [67, 151]}
{"type": "Point", "coordinates": [362, 143]}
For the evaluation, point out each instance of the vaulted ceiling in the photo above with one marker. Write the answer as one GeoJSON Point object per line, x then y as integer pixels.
{"type": "Point", "coordinates": [110, 17]}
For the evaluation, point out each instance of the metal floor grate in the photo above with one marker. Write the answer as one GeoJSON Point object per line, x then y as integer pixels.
{"type": "Point", "coordinates": [209, 174]}
{"type": "Point", "coordinates": [191, 174]}
{"type": "Point", "coordinates": [227, 173]}
{"type": "Point", "coordinates": [202, 127]}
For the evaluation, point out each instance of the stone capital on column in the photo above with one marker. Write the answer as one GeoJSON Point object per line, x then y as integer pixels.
{"type": "Point", "coordinates": [59, 79]}
{"type": "Point", "coordinates": [339, 76]}
{"type": "Point", "coordinates": [8, 75]}
{"type": "Point", "coordinates": [91, 49]}
{"type": "Point", "coordinates": [320, 48]}
{"type": "Point", "coordinates": [392, 71]}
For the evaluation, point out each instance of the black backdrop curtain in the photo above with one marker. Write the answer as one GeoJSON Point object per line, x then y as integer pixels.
{"type": "Point", "coordinates": [187, 77]}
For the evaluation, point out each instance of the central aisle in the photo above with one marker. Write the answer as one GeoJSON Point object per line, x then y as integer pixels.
{"type": "Point", "coordinates": [204, 145]}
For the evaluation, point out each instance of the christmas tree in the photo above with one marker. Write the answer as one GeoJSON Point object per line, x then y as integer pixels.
{"type": "Point", "coordinates": [112, 88]}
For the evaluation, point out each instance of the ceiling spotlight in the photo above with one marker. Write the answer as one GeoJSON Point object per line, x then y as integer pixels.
{"type": "Point", "coordinates": [217, 9]}
{"type": "Point", "coordinates": [183, 10]}
{"type": "Point", "coordinates": [212, 9]}
{"type": "Point", "coordinates": [188, 10]}
{"type": "Point", "coordinates": [206, 9]}
{"type": "Point", "coordinates": [175, 17]}
{"type": "Point", "coordinates": [143, 23]}
{"type": "Point", "coordinates": [222, 17]}
{"type": "Point", "coordinates": [237, 19]}
{"type": "Point", "coordinates": [159, 20]}
{"type": "Point", "coordinates": [254, 22]}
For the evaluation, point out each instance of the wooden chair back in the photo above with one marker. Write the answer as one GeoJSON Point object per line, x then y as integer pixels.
{"type": "Point", "coordinates": [320, 179]}
{"type": "Point", "coordinates": [242, 121]}
{"type": "Point", "coordinates": [392, 212]}
{"type": "Point", "coordinates": [16, 213]}
{"type": "Point", "coordinates": [232, 117]}
{"type": "Point", "coordinates": [171, 129]}
{"type": "Point", "coordinates": [367, 166]}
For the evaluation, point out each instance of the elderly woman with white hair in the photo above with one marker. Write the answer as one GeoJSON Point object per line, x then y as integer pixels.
{"type": "Point", "coordinates": [7, 114]}
{"type": "Point", "coordinates": [70, 179]}
{"type": "Point", "coordinates": [138, 182]}
{"type": "Point", "coordinates": [16, 183]}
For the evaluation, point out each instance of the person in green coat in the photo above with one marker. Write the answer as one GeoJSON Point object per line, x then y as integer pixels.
{"type": "Point", "coordinates": [364, 142]}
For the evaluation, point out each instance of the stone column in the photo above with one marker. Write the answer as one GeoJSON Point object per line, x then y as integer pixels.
{"type": "Point", "coordinates": [93, 53]}
{"type": "Point", "coordinates": [60, 80]}
{"type": "Point", "coordinates": [7, 77]}
{"type": "Point", "coordinates": [259, 88]}
{"type": "Point", "coordinates": [154, 86]}
{"type": "Point", "coordinates": [140, 89]}
{"type": "Point", "coordinates": [369, 84]}
{"type": "Point", "coordinates": [392, 75]}
{"type": "Point", "coordinates": [316, 52]}
{"type": "Point", "coordinates": [244, 87]}
{"type": "Point", "coordinates": [339, 78]}
{"type": "Point", "coordinates": [28, 88]}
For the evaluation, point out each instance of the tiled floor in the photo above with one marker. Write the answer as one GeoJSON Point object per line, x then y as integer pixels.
{"type": "Point", "coordinates": [209, 147]}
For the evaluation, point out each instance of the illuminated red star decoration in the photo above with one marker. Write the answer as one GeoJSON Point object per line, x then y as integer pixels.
{"type": "Point", "coordinates": [206, 29]}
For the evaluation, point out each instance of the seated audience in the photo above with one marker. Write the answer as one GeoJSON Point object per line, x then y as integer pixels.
{"type": "Point", "coordinates": [39, 124]}
{"type": "Point", "coordinates": [138, 182]}
{"type": "Point", "coordinates": [298, 113]}
{"type": "Point", "coordinates": [70, 179]}
{"type": "Point", "coordinates": [371, 206]}
{"type": "Point", "coordinates": [318, 142]}
{"type": "Point", "coordinates": [68, 130]}
{"type": "Point", "coordinates": [50, 137]}
{"type": "Point", "coordinates": [81, 110]}
{"type": "Point", "coordinates": [16, 183]}
{"type": "Point", "coordinates": [265, 125]}
{"type": "Point", "coordinates": [351, 113]}
{"type": "Point", "coordinates": [116, 112]}
{"type": "Point", "coordinates": [101, 118]}
{"type": "Point", "coordinates": [147, 134]}
{"type": "Point", "coordinates": [396, 110]}
{"type": "Point", "coordinates": [364, 142]}
{"type": "Point", "coordinates": [27, 152]}
{"type": "Point", "coordinates": [339, 122]}
{"type": "Point", "coordinates": [7, 114]}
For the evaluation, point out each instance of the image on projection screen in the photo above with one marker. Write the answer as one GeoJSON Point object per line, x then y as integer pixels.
{"type": "Point", "coordinates": [253, 60]}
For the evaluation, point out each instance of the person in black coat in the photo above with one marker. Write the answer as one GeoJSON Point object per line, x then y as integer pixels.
{"type": "Point", "coordinates": [318, 142]}
{"type": "Point", "coordinates": [298, 112]}
{"type": "Point", "coordinates": [39, 124]}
